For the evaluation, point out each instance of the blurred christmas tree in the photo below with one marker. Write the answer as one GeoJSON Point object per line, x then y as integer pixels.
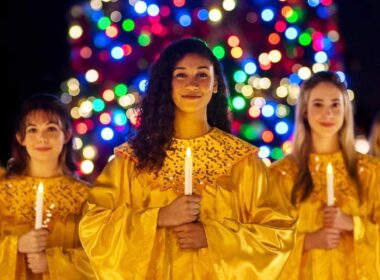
{"type": "Point", "coordinates": [267, 48]}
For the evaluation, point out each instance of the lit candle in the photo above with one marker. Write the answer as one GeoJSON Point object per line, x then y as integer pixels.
{"type": "Point", "coordinates": [39, 206]}
{"type": "Point", "coordinates": [330, 185]}
{"type": "Point", "coordinates": [188, 172]}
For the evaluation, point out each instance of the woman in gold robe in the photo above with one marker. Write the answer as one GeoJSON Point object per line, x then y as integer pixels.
{"type": "Point", "coordinates": [339, 241]}
{"type": "Point", "coordinates": [139, 223]}
{"type": "Point", "coordinates": [42, 153]}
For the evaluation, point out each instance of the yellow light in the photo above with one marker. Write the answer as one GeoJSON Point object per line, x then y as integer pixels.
{"type": "Point", "coordinates": [87, 166]}
{"type": "Point", "coordinates": [74, 112]}
{"type": "Point", "coordinates": [274, 56]}
{"type": "Point", "coordinates": [127, 100]}
{"type": "Point", "coordinates": [108, 95]}
{"type": "Point", "coordinates": [115, 16]}
{"type": "Point", "coordinates": [229, 5]}
{"type": "Point", "coordinates": [333, 36]}
{"type": "Point", "coordinates": [85, 108]}
{"type": "Point", "coordinates": [239, 87]}
{"type": "Point", "coordinates": [294, 91]}
{"type": "Point", "coordinates": [318, 67]}
{"type": "Point", "coordinates": [77, 143]}
{"type": "Point", "coordinates": [75, 32]}
{"type": "Point", "coordinates": [254, 111]}
{"type": "Point", "coordinates": [92, 76]}
{"type": "Point", "coordinates": [236, 52]}
{"type": "Point", "coordinates": [96, 5]}
{"type": "Point", "coordinates": [282, 91]}
{"type": "Point", "coordinates": [215, 15]}
{"type": "Point", "coordinates": [89, 152]}
{"type": "Point", "coordinates": [265, 83]}
{"type": "Point", "coordinates": [267, 161]}
{"type": "Point", "coordinates": [264, 58]}
{"type": "Point", "coordinates": [304, 73]}
{"type": "Point", "coordinates": [287, 147]}
{"type": "Point", "coordinates": [351, 94]}
{"type": "Point", "coordinates": [281, 111]}
{"type": "Point", "coordinates": [247, 91]}
{"type": "Point", "coordinates": [361, 144]}
{"type": "Point", "coordinates": [259, 102]}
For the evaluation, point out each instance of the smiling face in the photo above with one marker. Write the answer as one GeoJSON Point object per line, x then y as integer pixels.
{"type": "Point", "coordinates": [193, 83]}
{"type": "Point", "coordinates": [43, 137]}
{"type": "Point", "coordinates": [325, 110]}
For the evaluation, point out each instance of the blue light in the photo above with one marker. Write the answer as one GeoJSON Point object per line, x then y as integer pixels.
{"type": "Point", "coordinates": [185, 20]}
{"type": "Point", "coordinates": [143, 84]}
{"type": "Point", "coordinates": [153, 10]}
{"type": "Point", "coordinates": [320, 57]}
{"type": "Point", "coordinates": [107, 133]}
{"type": "Point", "coordinates": [327, 44]}
{"type": "Point", "coordinates": [291, 33]}
{"type": "Point", "coordinates": [267, 111]}
{"type": "Point", "coordinates": [267, 14]}
{"type": "Point", "coordinates": [101, 40]}
{"type": "Point", "coordinates": [250, 67]}
{"type": "Point", "coordinates": [294, 79]}
{"type": "Point", "coordinates": [119, 118]}
{"type": "Point", "coordinates": [322, 12]}
{"type": "Point", "coordinates": [117, 53]}
{"type": "Point", "coordinates": [342, 76]}
{"type": "Point", "coordinates": [264, 152]}
{"type": "Point", "coordinates": [282, 128]}
{"type": "Point", "coordinates": [313, 3]}
{"type": "Point", "coordinates": [203, 14]}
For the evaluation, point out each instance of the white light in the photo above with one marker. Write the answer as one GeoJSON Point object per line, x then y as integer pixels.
{"type": "Point", "coordinates": [264, 152]}
{"type": "Point", "coordinates": [107, 133]}
{"type": "Point", "coordinates": [92, 76]}
{"type": "Point", "coordinates": [87, 166]}
{"type": "Point", "coordinates": [140, 7]}
{"type": "Point", "coordinates": [75, 31]}
{"type": "Point", "coordinates": [361, 144]}
{"type": "Point", "coordinates": [215, 15]}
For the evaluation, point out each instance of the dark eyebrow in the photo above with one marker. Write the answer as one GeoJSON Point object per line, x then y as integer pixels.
{"type": "Point", "coordinates": [318, 99]}
{"type": "Point", "coordinates": [200, 67]}
{"type": "Point", "coordinates": [32, 124]}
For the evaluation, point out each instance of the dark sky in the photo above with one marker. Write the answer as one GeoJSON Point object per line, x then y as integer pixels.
{"type": "Point", "coordinates": [35, 46]}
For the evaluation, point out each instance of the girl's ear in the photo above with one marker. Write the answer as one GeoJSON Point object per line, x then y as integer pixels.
{"type": "Point", "coordinates": [18, 138]}
{"type": "Point", "coordinates": [68, 135]}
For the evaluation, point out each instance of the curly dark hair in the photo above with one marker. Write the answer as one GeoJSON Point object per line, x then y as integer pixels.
{"type": "Point", "coordinates": [56, 110]}
{"type": "Point", "coordinates": [154, 135]}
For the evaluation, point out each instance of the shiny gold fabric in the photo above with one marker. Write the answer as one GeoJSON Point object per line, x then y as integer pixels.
{"type": "Point", "coordinates": [249, 237]}
{"type": "Point", "coordinates": [358, 254]}
{"type": "Point", "coordinates": [63, 201]}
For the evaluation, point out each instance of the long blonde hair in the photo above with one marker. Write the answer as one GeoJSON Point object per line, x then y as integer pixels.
{"type": "Point", "coordinates": [374, 138]}
{"type": "Point", "coordinates": [303, 185]}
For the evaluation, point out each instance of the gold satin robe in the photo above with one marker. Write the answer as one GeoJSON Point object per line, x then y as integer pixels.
{"type": "Point", "coordinates": [64, 198]}
{"type": "Point", "coordinates": [358, 254]}
{"type": "Point", "coordinates": [249, 228]}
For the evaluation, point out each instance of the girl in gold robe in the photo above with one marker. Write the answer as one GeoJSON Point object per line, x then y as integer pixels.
{"type": "Point", "coordinates": [139, 223]}
{"type": "Point", "coordinates": [42, 153]}
{"type": "Point", "coordinates": [340, 241]}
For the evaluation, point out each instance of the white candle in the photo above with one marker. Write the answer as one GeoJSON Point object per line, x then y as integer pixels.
{"type": "Point", "coordinates": [188, 172]}
{"type": "Point", "coordinates": [39, 206]}
{"type": "Point", "coordinates": [330, 185]}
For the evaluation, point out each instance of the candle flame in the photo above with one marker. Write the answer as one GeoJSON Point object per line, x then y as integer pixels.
{"type": "Point", "coordinates": [40, 188]}
{"type": "Point", "coordinates": [329, 168]}
{"type": "Point", "coordinates": [188, 152]}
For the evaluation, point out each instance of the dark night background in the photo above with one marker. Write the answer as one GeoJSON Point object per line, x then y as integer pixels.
{"type": "Point", "coordinates": [35, 47]}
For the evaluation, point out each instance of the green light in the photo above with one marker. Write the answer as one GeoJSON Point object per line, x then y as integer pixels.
{"type": "Point", "coordinates": [98, 105]}
{"type": "Point", "coordinates": [240, 76]}
{"type": "Point", "coordinates": [299, 12]}
{"type": "Point", "coordinates": [219, 52]}
{"type": "Point", "coordinates": [144, 40]}
{"type": "Point", "coordinates": [121, 89]}
{"type": "Point", "coordinates": [128, 25]}
{"type": "Point", "coordinates": [292, 18]}
{"type": "Point", "coordinates": [304, 39]}
{"type": "Point", "coordinates": [249, 132]}
{"type": "Point", "coordinates": [104, 22]}
{"type": "Point", "coordinates": [277, 153]}
{"type": "Point", "coordinates": [238, 103]}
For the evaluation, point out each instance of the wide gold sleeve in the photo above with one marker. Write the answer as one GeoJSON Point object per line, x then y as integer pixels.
{"type": "Point", "coordinates": [69, 259]}
{"type": "Point", "coordinates": [257, 243]}
{"type": "Point", "coordinates": [367, 222]}
{"type": "Point", "coordinates": [118, 237]}
{"type": "Point", "coordinates": [8, 255]}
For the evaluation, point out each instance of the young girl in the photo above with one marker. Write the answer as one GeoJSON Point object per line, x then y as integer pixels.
{"type": "Point", "coordinates": [339, 241]}
{"type": "Point", "coordinates": [42, 153]}
{"type": "Point", "coordinates": [140, 225]}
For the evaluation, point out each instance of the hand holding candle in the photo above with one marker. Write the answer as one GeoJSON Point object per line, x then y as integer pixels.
{"type": "Point", "coordinates": [330, 185]}
{"type": "Point", "coordinates": [39, 206]}
{"type": "Point", "coordinates": [188, 172]}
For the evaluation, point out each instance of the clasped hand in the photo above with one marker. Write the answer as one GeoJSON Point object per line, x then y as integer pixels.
{"type": "Point", "coordinates": [182, 215]}
{"type": "Point", "coordinates": [33, 243]}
